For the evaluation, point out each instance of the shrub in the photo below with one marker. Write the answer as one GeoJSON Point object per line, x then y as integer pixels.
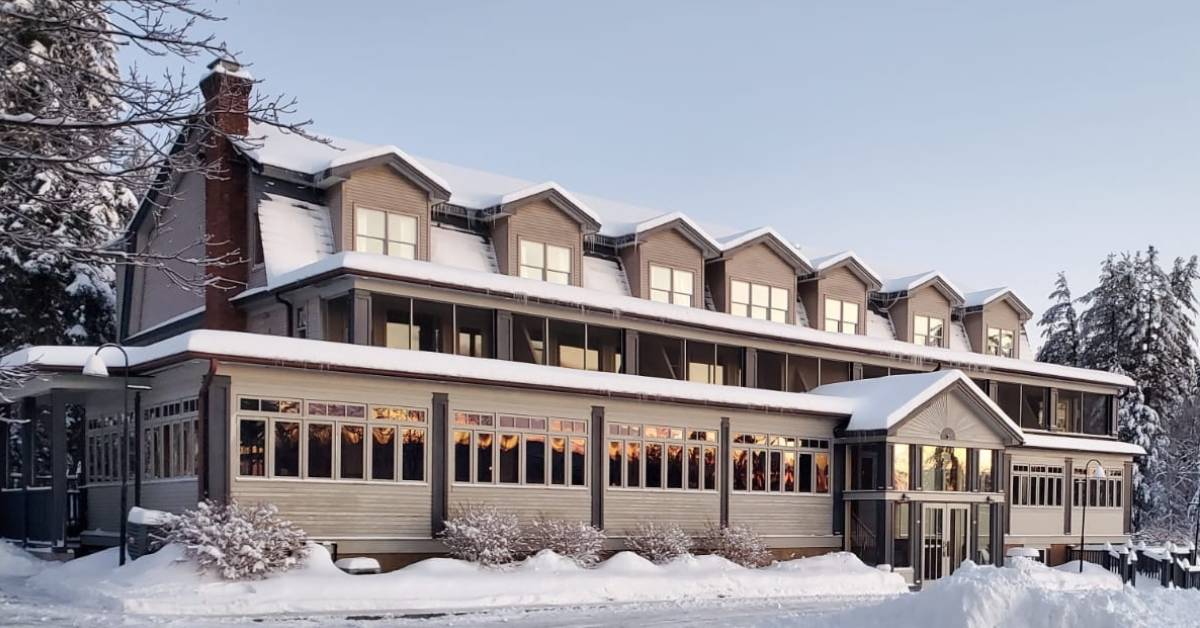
{"type": "Point", "coordinates": [482, 534]}
{"type": "Point", "coordinates": [576, 540]}
{"type": "Point", "coordinates": [238, 542]}
{"type": "Point", "coordinates": [659, 543]}
{"type": "Point", "coordinates": [738, 544]}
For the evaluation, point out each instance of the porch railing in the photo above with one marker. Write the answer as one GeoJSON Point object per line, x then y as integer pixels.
{"type": "Point", "coordinates": [1173, 566]}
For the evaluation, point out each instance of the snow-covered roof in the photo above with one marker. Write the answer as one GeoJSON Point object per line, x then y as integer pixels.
{"type": "Point", "coordinates": [880, 326]}
{"type": "Point", "coordinates": [981, 298]}
{"type": "Point", "coordinates": [826, 262]}
{"type": "Point", "coordinates": [284, 351]}
{"type": "Point", "coordinates": [959, 340]}
{"type": "Point", "coordinates": [705, 241]}
{"type": "Point", "coordinates": [294, 233]}
{"type": "Point", "coordinates": [1077, 443]}
{"type": "Point", "coordinates": [789, 250]}
{"type": "Point", "coordinates": [399, 268]}
{"type": "Point", "coordinates": [604, 275]}
{"type": "Point", "coordinates": [461, 249]}
{"type": "Point", "coordinates": [517, 196]}
{"type": "Point", "coordinates": [912, 282]}
{"type": "Point", "coordinates": [880, 403]}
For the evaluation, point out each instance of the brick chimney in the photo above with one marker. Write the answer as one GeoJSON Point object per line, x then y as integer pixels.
{"type": "Point", "coordinates": [226, 92]}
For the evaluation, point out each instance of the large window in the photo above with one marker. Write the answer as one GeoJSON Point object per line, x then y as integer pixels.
{"type": "Point", "coordinates": [662, 457]}
{"type": "Point", "coordinates": [770, 463]}
{"type": "Point", "coordinates": [841, 316]}
{"type": "Point", "coordinates": [1097, 414]}
{"type": "Point", "coordinates": [545, 262]}
{"type": "Point", "coordinates": [1037, 485]}
{"type": "Point", "coordinates": [1000, 342]}
{"type": "Point", "coordinates": [983, 534]}
{"type": "Point", "coordinates": [943, 468]}
{"type": "Point", "coordinates": [514, 450]}
{"type": "Point", "coordinates": [671, 285]}
{"type": "Point", "coordinates": [901, 467]}
{"type": "Point", "coordinates": [1068, 411]}
{"type": "Point", "coordinates": [901, 535]}
{"type": "Point", "coordinates": [568, 344]}
{"type": "Point", "coordinates": [866, 466]}
{"type": "Point", "coordinates": [384, 232]}
{"type": "Point", "coordinates": [323, 440]}
{"type": "Point", "coordinates": [985, 470]}
{"type": "Point", "coordinates": [169, 444]}
{"type": "Point", "coordinates": [929, 331]}
{"type": "Point", "coordinates": [1034, 402]}
{"type": "Point", "coordinates": [1106, 492]}
{"type": "Point", "coordinates": [759, 301]}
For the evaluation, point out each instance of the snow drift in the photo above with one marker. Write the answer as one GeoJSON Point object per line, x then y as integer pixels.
{"type": "Point", "coordinates": [166, 583]}
{"type": "Point", "coordinates": [17, 563]}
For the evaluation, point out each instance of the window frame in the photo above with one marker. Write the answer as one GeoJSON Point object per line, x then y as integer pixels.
{"type": "Point", "coordinates": [768, 444]}
{"type": "Point", "coordinates": [386, 240]}
{"type": "Point", "coordinates": [746, 309]}
{"type": "Point", "coordinates": [642, 435]}
{"type": "Point", "coordinates": [941, 338]}
{"type": "Point", "coordinates": [672, 293]}
{"type": "Point", "coordinates": [840, 322]}
{"type": "Point", "coordinates": [544, 271]}
{"type": "Point", "coordinates": [521, 432]}
{"type": "Point", "coordinates": [995, 338]}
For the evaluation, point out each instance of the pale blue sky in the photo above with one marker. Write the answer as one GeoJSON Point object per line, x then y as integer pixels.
{"type": "Point", "coordinates": [999, 142]}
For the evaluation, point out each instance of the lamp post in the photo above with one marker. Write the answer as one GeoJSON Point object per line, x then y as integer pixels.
{"type": "Point", "coordinates": [1098, 474]}
{"type": "Point", "coordinates": [95, 367]}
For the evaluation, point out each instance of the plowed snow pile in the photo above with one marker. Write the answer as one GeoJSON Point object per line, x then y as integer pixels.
{"type": "Point", "coordinates": [1025, 595]}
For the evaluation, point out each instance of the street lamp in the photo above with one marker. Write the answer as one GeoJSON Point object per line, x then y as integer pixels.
{"type": "Point", "coordinates": [95, 367]}
{"type": "Point", "coordinates": [1098, 474]}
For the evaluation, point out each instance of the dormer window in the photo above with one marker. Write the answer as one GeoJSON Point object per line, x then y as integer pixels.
{"type": "Point", "coordinates": [545, 262]}
{"type": "Point", "coordinates": [929, 331]}
{"type": "Point", "coordinates": [1000, 342]}
{"type": "Point", "coordinates": [754, 300]}
{"type": "Point", "coordinates": [387, 233]}
{"type": "Point", "coordinates": [841, 316]}
{"type": "Point", "coordinates": [671, 285]}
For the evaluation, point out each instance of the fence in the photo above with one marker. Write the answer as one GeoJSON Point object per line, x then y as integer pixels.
{"type": "Point", "coordinates": [1171, 565]}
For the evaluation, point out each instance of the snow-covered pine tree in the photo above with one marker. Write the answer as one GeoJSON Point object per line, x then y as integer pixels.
{"type": "Point", "coordinates": [1104, 322]}
{"type": "Point", "coordinates": [1060, 327]}
{"type": "Point", "coordinates": [47, 295]}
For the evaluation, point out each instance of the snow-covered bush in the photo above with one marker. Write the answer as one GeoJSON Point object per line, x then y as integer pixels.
{"type": "Point", "coordinates": [482, 534]}
{"type": "Point", "coordinates": [238, 542]}
{"type": "Point", "coordinates": [658, 543]}
{"type": "Point", "coordinates": [574, 539]}
{"type": "Point", "coordinates": [738, 544]}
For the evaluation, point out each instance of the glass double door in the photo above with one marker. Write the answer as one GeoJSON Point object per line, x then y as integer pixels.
{"type": "Point", "coordinates": [945, 531]}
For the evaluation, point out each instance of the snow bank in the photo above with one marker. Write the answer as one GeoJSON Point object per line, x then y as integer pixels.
{"type": "Point", "coordinates": [1025, 595]}
{"type": "Point", "coordinates": [17, 563]}
{"type": "Point", "coordinates": [164, 583]}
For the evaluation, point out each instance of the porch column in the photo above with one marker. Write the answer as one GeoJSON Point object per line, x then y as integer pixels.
{"type": "Point", "coordinates": [599, 455]}
{"type": "Point", "coordinates": [888, 518]}
{"type": "Point", "coordinates": [504, 337]}
{"type": "Point", "coordinates": [58, 469]}
{"type": "Point", "coordinates": [751, 367]}
{"type": "Point", "coordinates": [29, 414]}
{"type": "Point", "coordinates": [631, 352]}
{"type": "Point", "coordinates": [837, 485]}
{"type": "Point", "coordinates": [726, 476]}
{"type": "Point", "coordinates": [6, 411]}
{"type": "Point", "coordinates": [1068, 492]}
{"type": "Point", "coordinates": [439, 469]}
{"type": "Point", "coordinates": [360, 317]}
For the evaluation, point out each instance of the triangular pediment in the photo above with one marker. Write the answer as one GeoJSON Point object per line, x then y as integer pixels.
{"type": "Point", "coordinates": [958, 416]}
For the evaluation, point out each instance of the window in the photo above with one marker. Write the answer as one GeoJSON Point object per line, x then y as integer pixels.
{"type": "Point", "coordinates": [545, 262]}
{"type": "Point", "coordinates": [519, 450]}
{"type": "Point", "coordinates": [779, 464]}
{"type": "Point", "coordinates": [986, 479]}
{"type": "Point", "coordinates": [1000, 342]}
{"type": "Point", "coordinates": [983, 534]}
{"type": "Point", "coordinates": [1106, 492]}
{"type": "Point", "coordinates": [671, 285]}
{"type": "Point", "coordinates": [169, 444]}
{"type": "Point", "coordinates": [341, 441]}
{"type": "Point", "coordinates": [661, 457]}
{"type": "Point", "coordinates": [901, 543]}
{"type": "Point", "coordinates": [1036, 485]}
{"type": "Point", "coordinates": [841, 316]}
{"type": "Point", "coordinates": [388, 233]}
{"type": "Point", "coordinates": [759, 301]}
{"type": "Point", "coordinates": [585, 347]}
{"type": "Point", "coordinates": [943, 468]}
{"type": "Point", "coordinates": [901, 468]}
{"type": "Point", "coordinates": [928, 331]}
{"type": "Point", "coordinates": [865, 460]}
{"type": "Point", "coordinates": [1034, 402]}
{"type": "Point", "coordinates": [301, 322]}
{"type": "Point", "coordinates": [1068, 411]}
{"type": "Point", "coordinates": [1097, 414]}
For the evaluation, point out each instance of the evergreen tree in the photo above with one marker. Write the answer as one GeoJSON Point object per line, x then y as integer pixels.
{"type": "Point", "coordinates": [1103, 324]}
{"type": "Point", "coordinates": [1060, 327]}
{"type": "Point", "coordinates": [48, 295]}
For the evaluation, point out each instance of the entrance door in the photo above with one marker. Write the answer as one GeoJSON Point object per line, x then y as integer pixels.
{"type": "Point", "coordinates": [944, 539]}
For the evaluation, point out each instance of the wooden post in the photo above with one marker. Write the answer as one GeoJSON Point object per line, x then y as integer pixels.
{"type": "Point", "coordinates": [438, 444]}
{"type": "Point", "coordinates": [58, 469]}
{"type": "Point", "coordinates": [598, 458]}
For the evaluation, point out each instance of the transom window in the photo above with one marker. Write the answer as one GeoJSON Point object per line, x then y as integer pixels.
{"type": "Point", "coordinates": [512, 450]}
{"type": "Point", "coordinates": [671, 285]}
{"type": "Point", "coordinates": [332, 441]}
{"type": "Point", "coordinates": [545, 262]}
{"type": "Point", "coordinates": [389, 233]}
{"type": "Point", "coordinates": [1000, 342]}
{"type": "Point", "coordinates": [779, 464]}
{"type": "Point", "coordinates": [1036, 485]}
{"type": "Point", "coordinates": [662, 457]}
{"type": "Point", "coordinates": [929, 331]}
{"type": "Point", "coordinates": [841, 316]}
{"type": "Point", "coordinates": [755, 300]}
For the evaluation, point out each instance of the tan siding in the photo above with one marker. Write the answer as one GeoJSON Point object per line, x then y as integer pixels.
{"type": "Point", "coordinates": [759, 264]}
{"type": "Point", "coordinates": [951, 410]}
{"type": "Point", "coordinates": [928, 301]}
{"type": "Point", "coordinates": [569, 504]}
{"type": "Point", "coordinates": [383, 188]}
{"type": "Point", "coordinates": [540, 221]}
{"type": "Point", "coordinates": [1001, 314]}
{"type": "Point", "coordinates": [154, 297]}
{"type": "Point", "coordinates": [500, 241]}
{"type": "Point", "coordinates": [338, 219]}
{"type": "Point", "coordinates": [901, 321]}
{"type": "Point", "coordinates": [843, 285]}
{"type": "Point", "coordinates": [692, 510]}
{"type": "Point", "coordinates": [973, 323]}
{"type": "Point", "coordinates": [783, 515]}
{"type": "Point", "coordinates": [631, 259]}
{"type": "Point", "coordinates": [331, 509]}
{"type": "Point", "coordinates": [667, 247]}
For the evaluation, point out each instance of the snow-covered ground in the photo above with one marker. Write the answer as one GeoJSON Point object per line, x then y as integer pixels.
{"type": "Point", "coordinates": [833, 591]}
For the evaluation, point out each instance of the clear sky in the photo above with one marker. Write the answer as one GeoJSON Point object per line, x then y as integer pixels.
{"type": "Point", "coordinates": [998, 142]}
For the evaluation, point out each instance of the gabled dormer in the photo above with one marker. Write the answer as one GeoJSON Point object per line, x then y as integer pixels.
{"type": "Point", "coordinates": [994, 319]}
{"type": "Point", "coordinates": [920, 307]}
{"type": "Point", "coordinates": [835, 295]}
{"type": "Point", "coordinates": [380, 200]}
{"type": "Point", "coordinates": [538, 233]}
{"type": "Point", "coordinates": [755, 275]}
{"type": "Point", "coordinates": [664, 259]}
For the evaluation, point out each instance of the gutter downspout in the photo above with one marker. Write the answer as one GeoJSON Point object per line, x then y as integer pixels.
{"type": "Point", "coordinates": [291, 314]}
{"type": "Point", "coordinates": [202, 465]}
